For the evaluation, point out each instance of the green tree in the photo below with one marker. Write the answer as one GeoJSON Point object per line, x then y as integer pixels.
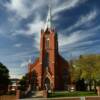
{"type": "Point", "coordinates": [4, 77]}
{"type": "Point", "coordinates": [87, 67]}
{"type": "Point", "coordinates": [23, 83]}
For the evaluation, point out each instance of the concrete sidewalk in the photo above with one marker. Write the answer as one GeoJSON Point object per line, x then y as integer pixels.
{"type": "Point", "coordinates": [67, 98]}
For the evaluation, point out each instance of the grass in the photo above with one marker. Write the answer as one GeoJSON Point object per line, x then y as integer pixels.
{"type": "Point", "coordinates": [71, 94]}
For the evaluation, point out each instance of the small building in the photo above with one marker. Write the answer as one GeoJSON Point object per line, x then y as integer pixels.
{"type": "Point", "coordinates": [14, 85]}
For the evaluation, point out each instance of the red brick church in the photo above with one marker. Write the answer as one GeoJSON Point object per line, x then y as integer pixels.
{"type": "Point", "coordinates": [51, 69]}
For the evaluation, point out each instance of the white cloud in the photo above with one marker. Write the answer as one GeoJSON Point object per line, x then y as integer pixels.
{"type": "Point", "coordinates": [65, 40]}
{"type": "Point", "coordinates": [72, 38]}
{"type": "Point", "coordinates": [92, 15]}
{"type": "Point", "coordinates": [79, 45]}
{"type": "Point", "coordinates": [24, 8]}
{"type": "Point", "coordinates": [18, 45]}
{"type": "Point", "coordinates": [68, 4]}
{"type": "Point", "coordinates": [87, 18]}
{"type": "Point", "coordinates": [75, 37]}
{"type": "Point", "coordinates": [18, 7]}
{"type": "Point", "coordinates": [90, 42]}
{"type": "Point", "coordinates": [84, 20]}
{"type": "Point", "coordinates": [24, 64]}
{"type": "Point", "coordinates": [33, 28]}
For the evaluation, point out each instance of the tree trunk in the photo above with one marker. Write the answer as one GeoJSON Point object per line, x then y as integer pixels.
{"type": "Point", "coordinates": [95, 86]}
{"type": "Point", "coordinates": [90, 85]}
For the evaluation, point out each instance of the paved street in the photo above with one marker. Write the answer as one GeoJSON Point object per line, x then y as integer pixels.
{"type": "Point", "coordinates": [5, 97]}
{"type": "Point", "coordinates": [61, 98]}
{"type": "Point", "coordinates": [68, 98]}
{"type": "Point", "coordinates": [34, 99]}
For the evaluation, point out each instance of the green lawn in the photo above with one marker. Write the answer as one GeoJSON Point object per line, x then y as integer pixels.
{"type": "Point", "coordinates": [71, 94]}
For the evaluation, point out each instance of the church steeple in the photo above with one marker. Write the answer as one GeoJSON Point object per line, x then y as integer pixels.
{"type": "Point", "coordinates": [48, 23]}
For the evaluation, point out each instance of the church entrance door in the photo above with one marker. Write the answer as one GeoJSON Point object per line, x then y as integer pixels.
{"type": "Point", "coordinates": [47, 83]}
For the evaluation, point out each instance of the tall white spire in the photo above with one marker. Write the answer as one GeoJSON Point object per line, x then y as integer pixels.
{"type": "Point", "coordinates": [48, 23]}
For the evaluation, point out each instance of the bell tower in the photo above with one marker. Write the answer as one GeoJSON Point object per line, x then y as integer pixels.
{"type": "Point", "coordinates": [48, 50]}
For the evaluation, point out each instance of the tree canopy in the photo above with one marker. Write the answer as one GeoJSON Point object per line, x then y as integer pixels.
{"type": "Point", "coordinates": [86, 67]}
{"type": "Point", "coordinates": [4, 77]}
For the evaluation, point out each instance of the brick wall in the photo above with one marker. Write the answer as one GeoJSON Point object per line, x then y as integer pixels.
{"type": "Point", "coordinates": [7, 97]}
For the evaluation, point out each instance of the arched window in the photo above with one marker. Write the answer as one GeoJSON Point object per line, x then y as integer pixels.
{"type": "Point", "coordinates": [47, 43]}
{"type": "Point", "coordinates": [46, 59]}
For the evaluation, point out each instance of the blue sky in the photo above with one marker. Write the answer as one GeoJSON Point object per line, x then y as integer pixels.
{"type": "Point", "coordinates": [77, 23]}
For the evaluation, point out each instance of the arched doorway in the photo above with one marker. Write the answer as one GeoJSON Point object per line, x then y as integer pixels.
{"type": "Point", "coordinates": [47, 83]}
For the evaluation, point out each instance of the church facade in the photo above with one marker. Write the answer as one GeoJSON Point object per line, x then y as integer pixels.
{"type": "Point", "coordinates": [52, 70]}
